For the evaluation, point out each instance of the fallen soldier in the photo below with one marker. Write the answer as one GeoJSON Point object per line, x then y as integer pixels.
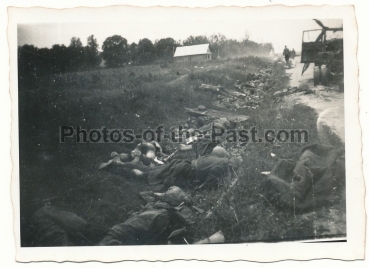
{"type": "Point", "coordinates": [164, 216]}
{"type": "Point", "coordinates": [146, 228]}
{"type": "Point", "coordinates": [145, 153]}
{"type": "Point", "coordinates": [317, 179]}
{"type": "Point", "coordinates": [53, 226]}
{"type": "Point", "coordinates": [205, 172]}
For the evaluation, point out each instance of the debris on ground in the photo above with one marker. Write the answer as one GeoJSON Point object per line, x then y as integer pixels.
{"type": "Point", "coordinates": [206, 118]}
{"type": "Point", "coordinates": [319, 91]}
{"type": "Point", "coordinates": [249, 102]}
{"type": "Point", "coordinates": [215, 89]}
{"type": "Point", "coordinates": [248, 94]}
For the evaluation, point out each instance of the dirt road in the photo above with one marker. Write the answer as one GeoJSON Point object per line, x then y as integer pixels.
{"type": "Point", "coordinates": [296, 77]}
{"type": "Point", "coordinates": [327, 101]}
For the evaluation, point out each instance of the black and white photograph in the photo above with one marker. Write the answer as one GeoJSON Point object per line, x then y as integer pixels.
{"type": "Point", "coordinates": [184, 127]}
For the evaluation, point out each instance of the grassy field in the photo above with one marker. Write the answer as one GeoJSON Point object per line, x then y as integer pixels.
{"type": "Point", "coordinates": [141, 97]}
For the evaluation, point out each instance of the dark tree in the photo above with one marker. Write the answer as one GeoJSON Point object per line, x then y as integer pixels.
{"type": "Point", "coordinates": [43, 61]}
{"type": "Point", "coordinates": [60, 59]}
{"type": "Point", "coordinates": [165, 47]}
{"type": "Point", "coordinates": [76, 54]}
{"type": "Point", "coordinates": [217, 42]}
{"type": "Point", "coordinates": [92, 53]}
{"type": "Point", "coordinates": [198, 40]}
{"type": "Point", "coordinates": [115, 50]}
{"type": "Point", "coordinates": [75, 42]}
{"type": "Point", "coordinates": [146, 51]}
{"type": "Point", "coordinates": [27, 72]}
{"type": "Point", "coordinates": [133, 53]}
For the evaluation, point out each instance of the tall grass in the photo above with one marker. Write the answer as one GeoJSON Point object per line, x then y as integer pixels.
{"type": "Point", "coordinates": [138, 98]}
{"type": "Point", "coordinates": [246, 215]}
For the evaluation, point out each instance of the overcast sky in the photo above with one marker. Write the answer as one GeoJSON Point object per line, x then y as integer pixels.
{"type": "Point", "coordinates": [277, 32]}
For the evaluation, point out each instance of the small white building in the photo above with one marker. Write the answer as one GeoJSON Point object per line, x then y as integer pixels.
{"type": "Point", "coordinates": [193, 53]}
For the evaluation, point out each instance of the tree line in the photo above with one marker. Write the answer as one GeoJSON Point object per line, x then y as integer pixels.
{"type": "Point", "coordinates": [116, 52]}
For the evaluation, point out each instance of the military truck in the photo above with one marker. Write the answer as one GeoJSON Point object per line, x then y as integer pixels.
{"type": "Point", "coordinates": [324, 48]}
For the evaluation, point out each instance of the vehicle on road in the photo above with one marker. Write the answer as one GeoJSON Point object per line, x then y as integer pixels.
{"type": "Point", "coordinates": [324, 48]}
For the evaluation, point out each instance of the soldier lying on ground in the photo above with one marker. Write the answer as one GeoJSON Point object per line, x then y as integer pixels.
{"type": "Point", "coordinates": [145, 152]}
{"type": "Point", "coordinates": [164, 214]}
{"type": "Point", "coordinates": [53, 226]}
{"type": "Point", "coordinates": [205, 172]}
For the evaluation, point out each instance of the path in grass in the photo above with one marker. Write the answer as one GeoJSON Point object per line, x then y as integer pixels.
{"type": "Point", "coordinates": [328, 102]}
